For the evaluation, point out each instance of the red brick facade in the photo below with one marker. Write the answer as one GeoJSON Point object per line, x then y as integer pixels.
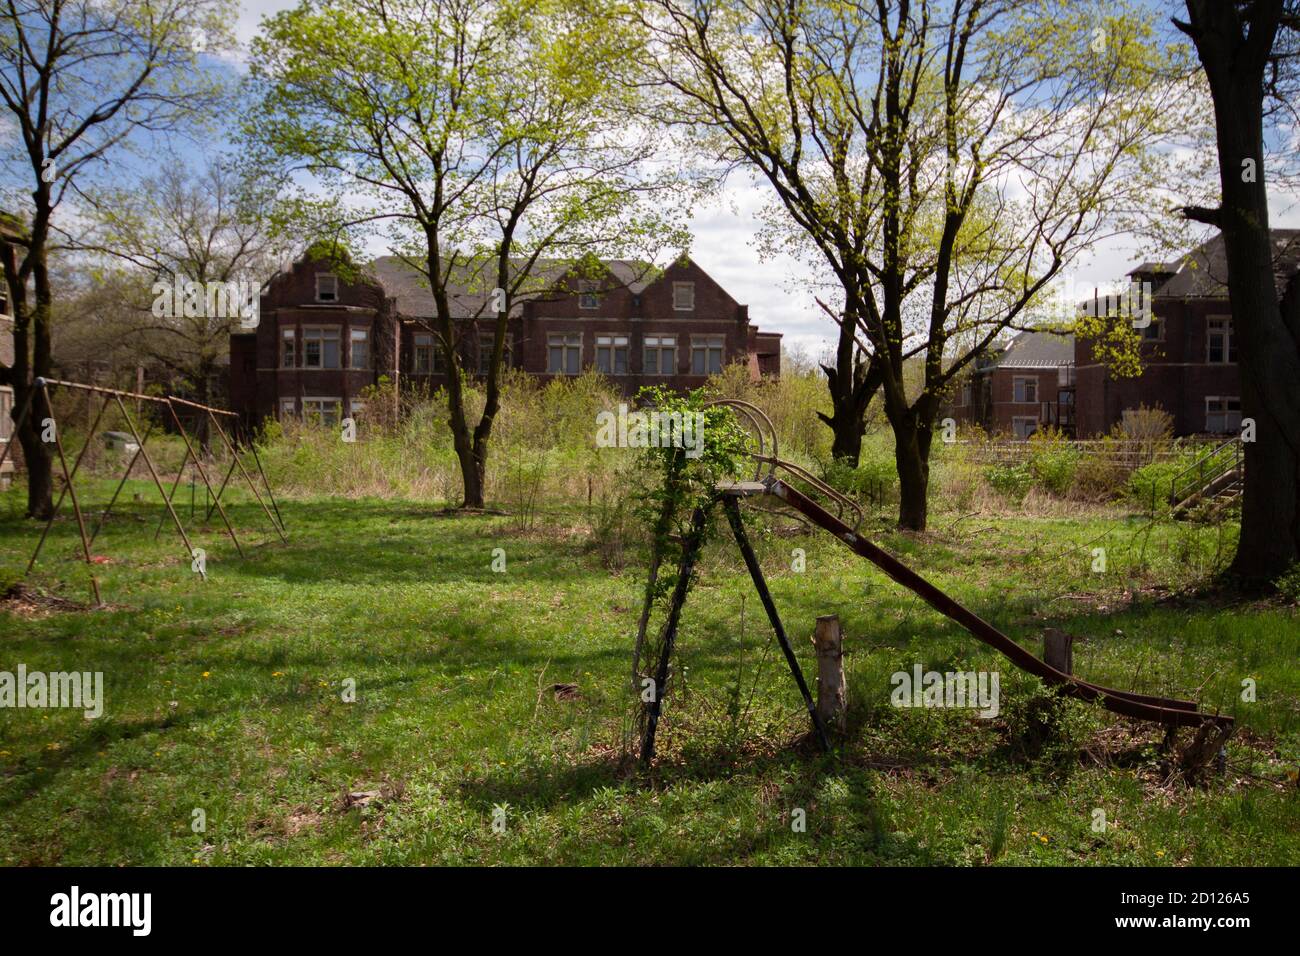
{"type": "Point", "coordinates": [1018, 389]}
{"type": "Point", "coordinates": [1188, 352]}
{"type": "Point", "coordinates": [682, 322]}
{"type": "Point", "coordinates": [1180, 373]}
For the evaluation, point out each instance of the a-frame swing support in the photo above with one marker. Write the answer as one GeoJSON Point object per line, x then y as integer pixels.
{"type": "Point", "coordinates": [69, 474]}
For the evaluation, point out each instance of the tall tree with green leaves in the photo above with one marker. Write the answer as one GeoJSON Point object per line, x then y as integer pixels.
{"type": "Point", "coordinates": [83, 82]}
{"type": "Point", "coordinates": [942, 163]}
{"type": "Point", "coordinates": [1250, 52]}
{"type": "Point", "coordinates": [480, 138]}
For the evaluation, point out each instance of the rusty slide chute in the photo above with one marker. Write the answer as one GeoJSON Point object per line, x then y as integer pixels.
{"type": "Point", "coordinates": [1167, 711]}
{"type": "Point", "coordinates": [1163, 710]}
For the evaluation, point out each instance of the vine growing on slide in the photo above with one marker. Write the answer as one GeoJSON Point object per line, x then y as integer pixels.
{"type": "Point", "coordinates": [681, 489]}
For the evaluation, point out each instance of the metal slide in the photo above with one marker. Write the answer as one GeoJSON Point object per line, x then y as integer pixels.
{"type": "Point", "coordinates": [1163, 710]}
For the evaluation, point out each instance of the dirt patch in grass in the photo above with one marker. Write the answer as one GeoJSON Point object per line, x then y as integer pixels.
{"type": "Point", "coordinates": [30, 602]}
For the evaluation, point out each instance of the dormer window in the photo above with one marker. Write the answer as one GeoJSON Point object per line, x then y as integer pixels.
{"type": "Point", "coordinates": [684, 296]}
{"type": "Point", "coordinates": [327, 287]}
{"type": "Point", "coordinates": [587, 295]}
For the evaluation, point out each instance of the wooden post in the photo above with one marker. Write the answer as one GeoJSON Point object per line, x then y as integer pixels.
{"type": "Point", "coordinates": [831, 691]}
{"type": "Point", "coordinates": [1058, 650]}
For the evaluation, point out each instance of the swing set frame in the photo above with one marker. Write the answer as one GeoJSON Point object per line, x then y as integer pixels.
{"type": "Point", "coordinates": [69, 490]}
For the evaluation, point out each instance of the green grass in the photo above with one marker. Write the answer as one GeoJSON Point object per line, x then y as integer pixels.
{"type": "Point", "coordinates": [226, 695]}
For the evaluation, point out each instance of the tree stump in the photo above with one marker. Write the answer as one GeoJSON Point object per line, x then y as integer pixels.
{"type": "Point", "coordinates": [832, 697]}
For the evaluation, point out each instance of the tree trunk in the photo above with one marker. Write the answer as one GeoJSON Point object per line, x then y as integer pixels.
{"type": "Point", "coordinates": [32, 359]}
{"type": "Point", "coordinates": [36, 457]}
{"type": "Point", "coordinates": [851, 395]}
{"type": "Point", "coordinates": [847, 427]}
{"type": "Point", "coordinates": [1235, 61]}
{"type": "Point", "coordinates": [912, 458]}
{"type": "Point", "coordinates": [471, 471]}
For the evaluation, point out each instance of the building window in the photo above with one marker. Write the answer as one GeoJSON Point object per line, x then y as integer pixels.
{"type": "Point", "coordinates": [611, 354]}
{"type": "Point", "coordinates": [423, 354]}
{"type": "Point", "coordinates": [1220, 347]}
{"type": "Point", "coordinates": [357, 407]}
{"type": "Point", "coordinates": [706, 354]}
{"type": "Point", "coordinates": [1222, 414]}
{"type": "Point", "coordinates": [320, 346]}
{"type": "Point", "coordinates": [360, 348]}
{"type": "Point", "coordinates": [1024, 427]}
{"type": "Point", "coordinates": [1024, 390]}
{"type": "Point", "coordinates": [1154, 331]}
{"type": "Point", "coordinates": [485, 343]}
{"type": "Point", "coordinates": [965, 394]}
{"type": "Point", "coordinates": [288, 340]}
{"type": "Point", "coordinates": [684, 296]}
{"type": "Point", "coordinates": [287, 408]}
{"type": "Point", "coordinates": [588, 298]}
{"type": "Point", "coordinates": [321, 411]}
{"type": "Point", "coordinates": [327, 287]}
{"type": "Point", "coordinates": [660, 355]}
{"type": "Point", "coordinates": [564, 353]}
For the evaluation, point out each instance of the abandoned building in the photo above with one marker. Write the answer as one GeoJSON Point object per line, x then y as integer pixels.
{"type": "Point", "coordinates": [323, 338]}
{"type": "Point", "coordinates": [1188, 349]}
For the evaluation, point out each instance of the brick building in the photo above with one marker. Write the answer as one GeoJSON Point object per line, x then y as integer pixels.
{"type": "Point", "coordinates": [9, 231]}
{"type": "Point", "coordinates": [1020, 387]}
{"type": "Point", "coordinates": [1189, 360]}
{"type": "Point", "coordinates": [1189, 355]}
{"type": "Point", "coordinates": [322, 340]}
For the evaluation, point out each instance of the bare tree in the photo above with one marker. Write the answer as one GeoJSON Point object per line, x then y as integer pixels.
{"type": "Point", "coordinates": [188, 228]}
{"type": "Point", "coordinates": [82, 81]}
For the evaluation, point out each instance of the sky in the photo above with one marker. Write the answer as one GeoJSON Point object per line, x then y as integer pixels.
{"type": "Point", "coordinates": [724, 246]}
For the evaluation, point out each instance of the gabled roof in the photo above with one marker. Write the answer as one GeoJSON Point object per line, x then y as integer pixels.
{"type": "Point", "coordinates": [471, 287]}
{"type": "Point", "coordinates": [1203, 272]}
{"type": "Point", "coordinates": [1035, 350]}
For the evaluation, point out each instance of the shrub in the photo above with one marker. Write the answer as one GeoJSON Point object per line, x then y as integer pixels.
{"type": "Point", "coordinates": [1153, 481]}
{"type": "Point", "coordinates": [1099, 474]}
{"type": "Point", "coordinates": [873, 477]}
{"type": "Point", "coordinates": [1145, 424]}
{"type": "Point", "coordinates": [1052, 461]}
{"type": "Point", "coordinates": [1011, 481]}
{"type": "Point", "coordinates": [1288, 585]}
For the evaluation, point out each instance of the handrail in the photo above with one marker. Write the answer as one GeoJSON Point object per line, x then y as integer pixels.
{"type": "Point", "coordinates": [1199, 467]}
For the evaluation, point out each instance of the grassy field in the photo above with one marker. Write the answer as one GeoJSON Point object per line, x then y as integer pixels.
{"type": "Point", "coordinates": [227, 696]}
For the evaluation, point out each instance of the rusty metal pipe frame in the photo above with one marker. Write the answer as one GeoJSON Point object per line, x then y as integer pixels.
{"type": "Point", "coordinates": [1163, 710]}
{"type": "Point", "coordinates": [101, 390]}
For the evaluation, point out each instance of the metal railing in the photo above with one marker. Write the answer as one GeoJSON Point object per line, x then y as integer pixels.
{"type": "Point", "coordinates": [1193, 480]}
